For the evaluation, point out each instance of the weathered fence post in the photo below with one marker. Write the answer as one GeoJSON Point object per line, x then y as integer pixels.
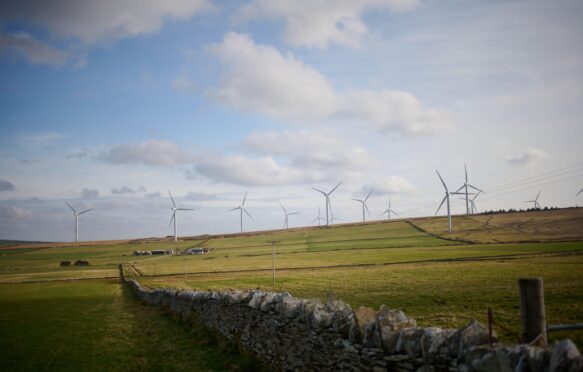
{"type": "Point", "coordinates": [532, 310]}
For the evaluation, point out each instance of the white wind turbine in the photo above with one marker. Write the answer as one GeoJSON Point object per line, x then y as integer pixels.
{"type": "Point", "coordinates": [473, 207]}
{"type": "Point", "coordinates": [173, 218]}
{"type": "Point", "coordinates": [535, 201]}
{"type": "Point", "coordinates": [319, 218]}
{"type": "Point", "coordinates": [388, 211]}
{"type": "Point", "coordinates": [364, 206]}
{"type": "Point", "coordinates": [242, 209]}
{"type": "Point", "coordinates": [445, 198]}
{"type": "Point", "coordinates": [466, 186]}
{"type": "Point", "coordinates": [287, 214]}
{"type": "Point", "coordinates": [327, 197]}
{"type": "Point", "coordinates": [77, 214]}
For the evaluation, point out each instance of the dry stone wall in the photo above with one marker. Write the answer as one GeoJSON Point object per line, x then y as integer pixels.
{"type": "Point", "coordinates": [291, 334]}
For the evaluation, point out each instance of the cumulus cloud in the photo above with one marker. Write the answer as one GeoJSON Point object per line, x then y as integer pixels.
{"type": "Point", "coordinates": [8, 213]}
{"type": "Point", "coordinates": [261, 79]}
{"type": "Point", "coordinates": [32, 50]}
{"type": "Point", "coordinates": [528, 157]}
{"type": "Point", "coordinates": [311, 150]}
{"type": "Point", "coordinates": [99, 21]}
{"type": "Point", "coordinates": [390, 185]}
{"type": "Point", "coordinates": [261, 171]}
{"type": "Point", "coordinates": [6, 186]}
{"type": "Point", "coordinates": [321, 23]}
{"type": "Point", "coordinates": [89, 193]}
{"type": "Point", "coordinates": [124, 190]}
{"type": "Point", "coordinates": [155, 153]}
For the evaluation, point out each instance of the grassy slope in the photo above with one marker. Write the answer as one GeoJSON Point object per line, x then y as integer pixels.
{"type": "Point", "coordinates": [97, 325]}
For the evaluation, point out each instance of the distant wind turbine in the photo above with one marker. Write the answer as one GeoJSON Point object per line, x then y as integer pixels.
{"type": "Point", "coordinates": [173, 218]}
{"type": "Point", "coordinates": [364, 206]}
{"type": "Point", "coordinates": [535, 201]}
{"type": "Point", "coordinates": [242, 209]}
{"type": "Point", "coordinates": [77, 214]}
{"type": "Point", "coordinates": [445, 198]}
{"type": "Point", "coordinates": [466, 186]}
{"type": "Point", "coordinates": [327, 197]}
{"type": "Point", "coordinates": [287, 214]}
{"type": "Point", "coordinates": [388, 211]}
{"type": "Point", "coordinates": [473, 207]}
{"type": "Point", "coordinates": [319, 218]}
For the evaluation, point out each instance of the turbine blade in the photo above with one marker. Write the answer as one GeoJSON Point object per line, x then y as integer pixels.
{"type": "Point", "coordinates": [537, 195]}
{"type": "Point", "coordinates": [358, 200]}
{"type": "Point", "coordinates": [282, 208]}
{"type": "Point", "coordinates": [580, 191]}
{"type": "Point", "coordinates": [458, 190]}
{"type": "Point", "coordinates": [396, 214]}
{"type": "Point", "coordinates": [315, 219]}
{"type": "Point", "coordinates": [366, 207]}
{"type": "Point", "coordinates": [74, 211]}
{"type": "Point", "coordinates": [285, 221]}
{"type": "Point", "coordinates": [466, 170]}
{"type": "Point", "coordinates": [477, 189]}
{"type": "Point", "coordinates": [234, 209]}
{"type": "Point", "coordinates": [385, 212]}
{"type": "Point", "coordinates": [244, 198]}
{"type": "Point", "coordinates": [87, 210]}
{"type": "Point", "coordinates": [173, 203]}
{"type": "Point", "coordinates": [440, 205]}
{"type": "Point", "coordinates": [335, 187]}
{"type": "Point", "coordinates": [171, 219]}
{"type": "Point", "coordinates": [247, 213]}
{"type": "Point", "coordinates": [185, 209]}
{"type": "Point", "coordinates": [289, 214]}
{"type": "Point", "coordinates": [441, 179]}
{"type": "Point", "coordinates": [369, 194]}
{"type": "Point", "coordinates": [320, 191]}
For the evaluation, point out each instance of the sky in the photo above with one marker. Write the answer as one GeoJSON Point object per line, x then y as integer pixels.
{"type": "Point", "coordinates": [112, 104]}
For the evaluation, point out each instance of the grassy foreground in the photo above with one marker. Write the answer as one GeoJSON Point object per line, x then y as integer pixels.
{"type": "Point", "coordinates": [99, 325]}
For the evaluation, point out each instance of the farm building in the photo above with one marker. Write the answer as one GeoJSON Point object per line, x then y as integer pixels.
{"type": "Point", "coordinates": [197, 251]}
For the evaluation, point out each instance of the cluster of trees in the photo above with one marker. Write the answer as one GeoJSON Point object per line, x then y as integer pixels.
{"type": "Point", "coordinates": [77, 263]}
{"type": "Point", "coordinates": [512, 210]}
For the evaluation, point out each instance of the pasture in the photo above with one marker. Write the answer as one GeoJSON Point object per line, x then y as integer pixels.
{"type": "Point", "coordinates": [440, 279]}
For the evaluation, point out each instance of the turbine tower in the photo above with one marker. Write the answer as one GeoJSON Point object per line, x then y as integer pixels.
{"type": "Point", "coordinates": [364, 206]}
{"type": "Point", "coordinates": [77, 214]}
{"type": "Point", "coordinates": [287, 214]}
{"type": "Point", "coordinates": [327, 197]}
{"type": "Point", "coordinates": [319, 218]}
{"type": "Point", "coordinates": [466, 186]}
{"type": "Point", "coordinates": [173, 218]}
{"type": "Point", "coordinates": [388, 211]}
{"type": "Point", "coordinates": [535, 201]}
{"type": "Point", "coordinates": [445, 198]}
{"type": "Point", "coordinates": [242, 209]}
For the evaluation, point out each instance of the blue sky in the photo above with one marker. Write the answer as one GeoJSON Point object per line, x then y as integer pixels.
{"type": "Point", "coordinates": [110, 104]}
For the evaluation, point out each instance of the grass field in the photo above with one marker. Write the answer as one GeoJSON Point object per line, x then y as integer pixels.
{"type": "Point", "coordinates": [99, 325]}
{"type": "Point", "coordinates": [440, 279]}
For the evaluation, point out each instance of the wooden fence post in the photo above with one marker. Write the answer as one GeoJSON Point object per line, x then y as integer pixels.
{"type": "Point", "coordinates": [532, 310]}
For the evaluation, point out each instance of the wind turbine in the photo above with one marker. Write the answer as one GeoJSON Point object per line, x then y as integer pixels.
{"type": "Point", "coordinates": [77, 214]}
{"type": "Point", "coordinates": [465, 186]}
{"type": "Point", "coordinates": [364, 206]}
{"type": "Point", "coordinates": [473, 207]}
{"type": "Point", "coordinates": [287, 214]}
{"type": "Point", "coordinates": [173, 218]}
{"type": "Point", "coordinates": [318, 218]}
{"type": "Point", "coordinates": [242, 209]}
{"type": "Point", "coordinates": [327, 197]}
{"type": "Point", "coordinates": [535, 201]}
{"type": "Point", "coordinates": [446, 197]}
{"type": "Point", "coordinates": [388, 211]}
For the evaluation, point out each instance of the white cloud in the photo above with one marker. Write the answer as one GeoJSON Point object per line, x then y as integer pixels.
{"type": "Point", "coordinates": [390, 185]}
{"type": "Point", "coordinates": [262, 171]}
{"type": "Point", "coordinates": [261, 79]}
{"type": "Point", "coordinates": [100, 21]}
{"type": "Point", "coordinates": [155, 152]}
{"type": "Point", "coordinates": [311, 150]}
{"type": "Point", "coordinates": [321, 23]}
{"type": "Point", "coordinates": [9, 213]}
{"type": "Point", "coordinates": [33, 50]}
{"type": "Point", "coordinates": [124, 190]}
{"type": "Point", "coordinates": [89, 193]}
{"type": "Point", "coordinates": [528, 157]}
{"type": "Point", "coordinates": [6, 185]}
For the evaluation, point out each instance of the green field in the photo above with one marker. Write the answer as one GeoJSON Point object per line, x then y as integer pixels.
{"type": "Point", "coordinates": [99, 325]}
{"type": "Point", "coordinates": [439, 279]}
